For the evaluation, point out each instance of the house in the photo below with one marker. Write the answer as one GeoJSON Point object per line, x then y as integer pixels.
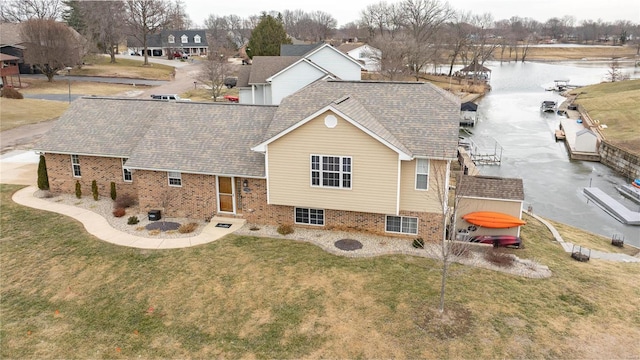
{"type": "Point", "coordinates": [367, 54]}
{"type": "Point", "coordinates": [269, 79]}
{"type": "Point", "coordinates": [336, 154]}
{"type": "Point", "coordinates": [168, 42]}
{"type": "Point", "coordinates": [486, 193]}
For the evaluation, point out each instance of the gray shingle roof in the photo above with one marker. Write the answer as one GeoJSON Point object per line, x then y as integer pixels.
{"type": "Point", "coordinates": [243, 76]}
{"type": "Point", "coordinates": [181, 136]}
{"type": "Point", "coordinates": [491, 187]}
{"type": "Point", "coordinates": [298, 49]}
{"type": "Point", "coordinates": [421, 117]}
{"type": "Point", "coordinates": [162, 39]}
{"type": "Point", "coordinates": [263, 67]}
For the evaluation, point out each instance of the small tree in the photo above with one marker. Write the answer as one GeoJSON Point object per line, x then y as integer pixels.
{"type": "Point", "coordinates": [213, 72]}
{"type": "Point", "coordinates": [43, 177]}
{"type": "Point", "coordinates": [94, 190]}
{"type": "Point", "coordinates": [114, 195]}
{"type": "Point", "coordinates": [78, 189]}
{"type": "Point", "coordinates": [614, 73]}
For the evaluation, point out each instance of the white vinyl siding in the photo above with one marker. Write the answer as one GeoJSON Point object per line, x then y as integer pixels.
{"type": "Point", "coordinates": [402, 225]}
{"type": "Point", "coordinates": [336, 63]}
{"type": "Point", "coordinates": [309, 216]}
{"type": "Point", "coordinates": [422, 174]}
{"type": "Point", "coordinates": [75, 165]}
{"type": "Point", "coordinates": [175, 178]}
{"type": "Point", "coordinates": [292, 80]}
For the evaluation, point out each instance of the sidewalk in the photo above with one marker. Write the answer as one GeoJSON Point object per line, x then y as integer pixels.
{"type": "Point", "coordinates": [98, 226]}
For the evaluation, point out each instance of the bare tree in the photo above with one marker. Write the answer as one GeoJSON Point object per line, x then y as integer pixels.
{"type": "Point", "coordinates": [458, 34]}
{"type": "Point", "coordinates": [51, 46]}
{"type": "Point", "coordinates": [614, 73]}
{"type": "Point", "coordinates": [393, 56]}
{"type": "Point", "coordinates": [146, 17]}
{"type": "Point", "coordinates": [423, 18]}
{"type": "Point", "coordinates": [178, 19]}
{"type": "Point", "coordinates": [102, 19]}
{"type": "Point", "coordinates": [15, 11]}
{"type": "Point", "coordinates": [213, 72]}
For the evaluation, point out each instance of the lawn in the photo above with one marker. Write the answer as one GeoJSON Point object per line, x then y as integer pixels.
{"type": "Point", "coordinates": [66, 294]}
{"type": "Point", "coordinates": [127, 68]}
{"type": "Point", "coordinates": [558, 53]}
{"type": "Point", "coordinates": [18, 112]}
{"type": "Point", "coordinates": [61, 86]}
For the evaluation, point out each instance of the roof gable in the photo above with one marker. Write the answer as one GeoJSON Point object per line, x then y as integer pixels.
{"type": "Point", "coordinates": [328, 46]}
{"type": "Point", "coordinates": [263, 67]}
{"type": "Point", "coordinates": [298, 63]}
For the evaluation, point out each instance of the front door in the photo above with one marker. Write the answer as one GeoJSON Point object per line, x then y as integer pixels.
{"type": "Point", "coordinates": [225, 195]}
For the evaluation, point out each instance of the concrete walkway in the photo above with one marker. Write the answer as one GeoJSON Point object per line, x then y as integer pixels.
{"type": "Point", "coordinates": [98, 226]}
{"type": "Point", "coordinates": [595, 254]}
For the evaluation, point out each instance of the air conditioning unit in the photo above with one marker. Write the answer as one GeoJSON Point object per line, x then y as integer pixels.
{"type": "Point", "coordinates": [154, 215]}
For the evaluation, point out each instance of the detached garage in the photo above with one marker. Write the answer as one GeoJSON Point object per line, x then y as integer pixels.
{"type": "Point", "coordinates": [488, 194]}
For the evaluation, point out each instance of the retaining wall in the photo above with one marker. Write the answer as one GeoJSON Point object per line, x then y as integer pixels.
{"type": "Point", "coordinates": [620, 160]}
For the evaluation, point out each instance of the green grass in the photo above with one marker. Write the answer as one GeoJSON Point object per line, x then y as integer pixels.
{"type": "Point", "coordinates": [616, 106]}
{"type": "Point", "coordinates": [66, 294]}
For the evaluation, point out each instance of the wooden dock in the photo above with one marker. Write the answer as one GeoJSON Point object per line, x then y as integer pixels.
{"type": "Point", "coordinates": [468, 166]}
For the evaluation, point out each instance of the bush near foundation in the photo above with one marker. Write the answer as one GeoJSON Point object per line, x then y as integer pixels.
{"type": "Point", "coordinates": [119, 212]}
{"type": "Point", "coordinates": [285, 229]}
{"type": "Point", "coordinates": [187, 228]}
{"type": "Point", "coordinates": [124, 201]}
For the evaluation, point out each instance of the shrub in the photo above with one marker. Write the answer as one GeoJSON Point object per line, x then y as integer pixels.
{"type": "Point", "coordinates": [11, 93]}
{"type": "Point", "coordinates": [499, 258]}
{"type": "Point", "coordinates": [113, 191]}
{"type": "Point", "coordinates": [78, 189]}
{"type": "Point", "coordinates": [119, 212]}
{"type": "Point", "coordinates": [285, 229]}
{"type": "Point", "coordinates": [459, 249]}
{"type": "Point", "coordinates": [132, 220]}
{"type": "Point", "coordinates": [94, 190]}
{"type": "Point", "coordinates": [418, 243]}
{"type": "Point", "coordinates": [187, 228]}
{"type": "Point", "coordinates": [43, 177]}
{"type": "Point", "coordinates": [124, 201]}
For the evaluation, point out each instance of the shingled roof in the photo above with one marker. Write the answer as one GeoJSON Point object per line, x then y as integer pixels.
{"type": "Point", "coordinates": [418, 117]}
{"type": "Point", "coordinates": [205, 138]}
{"type": "Point", "coordinates": [263, 67]}
{"type": "Point", "coordinates": [490, 187]}
{"type": "Point", "coordinates": [298, 49]}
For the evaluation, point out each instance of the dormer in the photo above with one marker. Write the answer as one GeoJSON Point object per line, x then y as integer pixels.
{"type": "Point", "coordinates": [172, 39]}
{"type": "Point", "coordinates": [184, 39]}
{"type": "Point", "coordinates": [196, 39]}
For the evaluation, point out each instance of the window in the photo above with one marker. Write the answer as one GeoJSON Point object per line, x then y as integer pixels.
{"type": "Point", "coordinates": [126, 173]}
{"type": "Point", "coordinates": [184, 39]}
{"type": "Point", "coordinates": [309, 216]}
{"type": "Point", "coordinates": [172, 39]}
{"type": "Point", "coordinates": [75, 164]}
{"type": "Point", "coordinates": [331, 171]}
{"type": "Point", "coordinates": [196, 39]}
{"type": "Point", "coordinates": [422, 174]}
{"type": "Point", "coordinates": [175, 178]}
{"type": "Point", "coordinates": [402, 224]}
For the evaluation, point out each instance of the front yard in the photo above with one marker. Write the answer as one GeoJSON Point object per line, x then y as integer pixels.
{"type": "Point", "coordinates": [66, 294]}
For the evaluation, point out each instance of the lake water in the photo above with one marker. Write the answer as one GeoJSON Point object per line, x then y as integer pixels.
{"type": "Point", "coordinates": [510, 115]}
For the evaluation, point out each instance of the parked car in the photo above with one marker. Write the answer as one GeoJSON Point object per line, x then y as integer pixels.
{"type": "Point", "coordinates": [498, 240]}
{"type": "Point", "coordinates": [173, 97]}
{"type": "Point", "coordinates": [230, 82]}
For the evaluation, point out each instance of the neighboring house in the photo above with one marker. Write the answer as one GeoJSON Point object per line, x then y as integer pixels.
{"type": "Point", "coordinates": [192, 42]}
{"type": "Point", "coordinates": [485, 193]}
{"type": "Point", "coordinates": [334, 155]}
{"type": "Point", "coordinates": [269, 79]}
{"type": "Point", "coordinates": [367, 54]}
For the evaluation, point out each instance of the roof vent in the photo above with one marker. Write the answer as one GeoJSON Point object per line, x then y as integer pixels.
{"type": "Point", "coordinates": [342, 99]}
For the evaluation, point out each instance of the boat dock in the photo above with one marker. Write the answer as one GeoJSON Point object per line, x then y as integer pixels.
{"type": "Point", "coordinates": [612, 206]}
{"type": "Point", "coordinates": [630, 192]}
{"type": "Point", "coordinates": [581, 137]}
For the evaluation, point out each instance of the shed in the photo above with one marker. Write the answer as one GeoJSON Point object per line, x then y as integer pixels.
{"type": "Point", "coordinates": [488, 193]}
{"type": "Point", "coordinates": [586, 141]}
{"type": "Point", "coordinates": [468, 113]}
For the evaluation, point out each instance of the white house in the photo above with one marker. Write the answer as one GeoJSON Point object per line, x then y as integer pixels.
{"type": "Point", "coordinates": [367, 54]}
{"type": "Point", "coordinates": [269, 79]}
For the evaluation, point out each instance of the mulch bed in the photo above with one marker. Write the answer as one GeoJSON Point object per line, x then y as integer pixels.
{"type": "Point", "coordinates": [348, 244]}
{"type": "Point", "coordinates": [163, 225]}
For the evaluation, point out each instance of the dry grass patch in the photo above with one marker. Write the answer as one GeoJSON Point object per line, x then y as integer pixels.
{"type": "Point", "coordinates": [61, 86]}
{"type": "Point", "coordinates": [18, 112]}
{"type": "Point", "coordinates": [126, 68]}
{"type": "Point", "coordinates": [591, 240]}
{"type": "Point", "coordinates": [248, 297]}
{"type": "Point", "coordinates": [557, 53]}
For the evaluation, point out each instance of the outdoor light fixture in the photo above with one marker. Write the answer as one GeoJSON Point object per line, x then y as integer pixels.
{"type": "Point", "coordinates": [245, 183]}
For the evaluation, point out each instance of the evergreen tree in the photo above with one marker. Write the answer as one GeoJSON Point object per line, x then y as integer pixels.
{"type": "Point", "coordinates": [43, 177]}
{"type": "Point", "coordinates": [72, 15]}
{"type": "Point", "coordinates": [267, 37]}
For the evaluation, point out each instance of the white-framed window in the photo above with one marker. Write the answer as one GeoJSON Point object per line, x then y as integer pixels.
{"type": "Point", "coordinates": [175, 178]}
{"type": "Point", "coordinates": [196, 39]}
{"type": "Point", "coordinates": [422, 174]}
{"type": "Point", "coordinates": [127, 175]}
{"type": "Point", "coordinates": [309, 216]}
{"type": "Point", "coordinates": [184, 39]}
{"type": "Point", "coordinates": [401, 224]}
{"type": "Point", "coordinates": [331, 171]}
{"type": "Point", "coordinates": [172, 39]}
{"type": "Point", "coordinates": [75, 165]}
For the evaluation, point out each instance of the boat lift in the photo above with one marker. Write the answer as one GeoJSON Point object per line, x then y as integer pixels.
{"type": "Point", "coordinates": [480, 150]}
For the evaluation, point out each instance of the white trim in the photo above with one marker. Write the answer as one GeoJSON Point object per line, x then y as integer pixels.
{"type": "Point", "coordinates": [398, 188]}
{"type": "Point", "coordinates": [169, 177]}
{"type": "Point", "coordinates": [73, 166]}
{"type": "Point", "coordinates": [321, 69]}
{"type": "Point", "coordinates": [337, 51]}
{"type": "Point", "coordinates": [415, 177]}
{"type": "Point", "coordinates": [266, 170]}
{"type": "Point", "coordinates": [124, 178]}
{"type": "Point", "coordinates": [321, 171]}
{"type": "Point", "coordinates": [262, 146]}
{"type": "Point", "coordinates": [233, 194]}
{"type": "Point", "coordinates": [295, 216]}
{"type": "Point", "coordinates": [386, 217]}
{"type": "Point", "coordinates": [488, 198]}
{"type": "Point", "coordinates": [445, 204]}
